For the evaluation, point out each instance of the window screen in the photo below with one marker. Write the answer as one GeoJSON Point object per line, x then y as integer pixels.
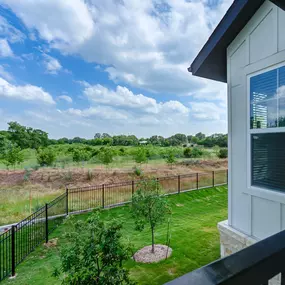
{"type": "Point", "coordinates": [268, 160]}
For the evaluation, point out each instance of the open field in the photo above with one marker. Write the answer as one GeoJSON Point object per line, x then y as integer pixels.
{"type": "Point", "coordinates": [19, 197]}
{"type": "Point", "coordinates": [194, 240]}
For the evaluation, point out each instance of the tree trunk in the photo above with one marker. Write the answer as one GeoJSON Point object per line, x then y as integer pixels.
{"type": "Point", "coordinates": [152, 238]}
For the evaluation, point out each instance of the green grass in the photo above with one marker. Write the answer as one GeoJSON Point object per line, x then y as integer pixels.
{"type": "Point", "coordinates": [194, 240]}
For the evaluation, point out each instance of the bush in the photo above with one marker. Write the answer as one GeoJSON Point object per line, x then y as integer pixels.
{"type": "Point", "coordinates": [187, 152]}
{"type": "Point", "coordinates": [80, 155]}
{"type": "Point", "coordinates": [89, 175]}
{"type": "Point", "coordinates": [223, 153]}
{"type": "Point", "coordinates": [141, 156]}
{"type": "Point", "coordinates": [94, 254]}
{"type": "Point", "coordinates": [45, 157]}
{"type": "Point", "coordinates": [138, 171]}
{"type": "Point", "coordinates": [106, 155]}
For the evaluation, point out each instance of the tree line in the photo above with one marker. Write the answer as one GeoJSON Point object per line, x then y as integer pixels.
{"type": "Point", "coordinates": [27, 137]}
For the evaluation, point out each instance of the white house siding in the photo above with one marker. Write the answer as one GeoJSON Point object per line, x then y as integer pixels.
{"type": "Point", "coordinates": [261, 44]}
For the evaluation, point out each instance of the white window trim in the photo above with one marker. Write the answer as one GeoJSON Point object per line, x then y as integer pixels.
{"type": "Point", "coordinates": [266, 193]}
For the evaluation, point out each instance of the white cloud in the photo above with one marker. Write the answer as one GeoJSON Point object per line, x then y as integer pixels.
{"type": "Point", "coordinates": [207, 111]}
{"type": "Point", "coordinates": [52, 65]}
{"type": "Point", "coordinates": [9, 32]}
{"type": "Point", "coordinates": [62, 23]}
{"type": "Point", "coordinates": [148, 44]}
{"type": "Point", "coordinates": [65, 98]}
{"type": "Point", "coordinates": [25, 92]}
{"type": "Point", "coordinates": [122, 97]}
{"type": "Point", "coordinates": [5, 74]}
{"type": "Point", "coordinates": [5, 50]}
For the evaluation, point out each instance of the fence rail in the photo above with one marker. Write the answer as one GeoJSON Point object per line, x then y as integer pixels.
{"type": "Point", "coordinates": [22, 238]}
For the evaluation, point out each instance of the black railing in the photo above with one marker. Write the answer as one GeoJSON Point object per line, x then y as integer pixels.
{"type": "Point", "coordinates": [22, 238]}
{"type": "Point", "coordinates": [254, 265]}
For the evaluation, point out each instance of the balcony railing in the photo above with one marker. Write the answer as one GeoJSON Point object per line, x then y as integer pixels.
{"type": "Point", "coordinates": [254, 265]}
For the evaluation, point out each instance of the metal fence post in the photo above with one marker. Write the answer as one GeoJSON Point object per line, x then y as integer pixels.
{"type": "Point", "coordinates": [133, 187]}
{"type": "Point", "coordinates": [227, 176]}
{"type": "Point", "coordinates": [197, 180]}
{"type": "Point", "coordinates": [67, 192]}
{"type": "Point", "coordinates": [213, 178]}
{"type": "Point", "coordinates": [179, 185]}
{"type": "Point", "coordinates": [46, 210]}
{"type": "Point", "coordinates": [13, 244]}
{"type": "Point", "coordinates": [103, 196]}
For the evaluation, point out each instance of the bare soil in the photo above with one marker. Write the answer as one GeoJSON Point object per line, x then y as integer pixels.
{"type": "Point", "coordinates": [59, 178]}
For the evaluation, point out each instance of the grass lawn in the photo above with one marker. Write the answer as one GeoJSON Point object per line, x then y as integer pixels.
{"type": "Point", "coordinates": [194, 240]}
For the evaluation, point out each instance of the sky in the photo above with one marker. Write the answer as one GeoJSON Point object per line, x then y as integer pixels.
{"type": "Point", "coordinates": [76, 68]}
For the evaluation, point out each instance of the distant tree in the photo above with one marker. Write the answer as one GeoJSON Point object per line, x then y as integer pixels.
{"type": "Point", "coordinates": [18, 134]}
{"type": "Point", "coordinates": [11, 154]}
{"type": "Point", "coordinates": [97, 136]}
{"type": "Point", "coordinates": [141, 155]}
{"type": "Point", "coordinates": [45, 156]}
{"type": "Point", "coordinates": [63, 141]}
{"type": "Point", "coordinates": [94, 254]}
{"type": "Point", "coordinates": [200, 136]}
{"type": "Point", "coordinates": [194, 152]}
{"type": "Point", "coordinates": [170, 158]}
{"type": "Point", "coordinates": [149, 207]}
{"type": "Point", "coordinates": [105, 135]}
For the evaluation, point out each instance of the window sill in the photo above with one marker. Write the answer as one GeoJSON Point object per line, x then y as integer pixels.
{"type": "Point", "coordinates": [271, 195]}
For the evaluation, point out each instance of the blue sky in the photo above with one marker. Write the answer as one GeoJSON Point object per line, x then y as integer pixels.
{"type": "Point", "coordinates": [75, 68]}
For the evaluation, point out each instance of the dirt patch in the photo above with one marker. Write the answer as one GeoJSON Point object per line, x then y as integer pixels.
{"type": "Point", "coordinates": [57, 178]}
{"type": "Point", "coordinates": [145, 255]}
{"type": "Point", "coordinates": [51, 243]}
{"type": "Point", "coordinates": [209, 230]}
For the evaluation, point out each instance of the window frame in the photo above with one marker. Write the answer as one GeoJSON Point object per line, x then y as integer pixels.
{"type": "Point", "coordinates": [252, 131]}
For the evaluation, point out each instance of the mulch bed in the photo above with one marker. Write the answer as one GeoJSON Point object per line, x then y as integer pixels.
{"type": "Point", "coordinates": [145, 255]}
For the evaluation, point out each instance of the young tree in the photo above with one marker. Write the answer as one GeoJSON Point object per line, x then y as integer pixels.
{"type": "Point", "coordinates": [106, 156]}
{"type": "Point", "coordinates": [45, 156]}
{"type": "Point", "coordinates": [170, 158]}
{"type": "Point", "coordinates": [94, 254]}
{"type": "Point", "coordinates": [141, 156]}
{"type": "Point", "coordinates": [11, 154]}
{"type": "Point", "coordinates": [149, 207]}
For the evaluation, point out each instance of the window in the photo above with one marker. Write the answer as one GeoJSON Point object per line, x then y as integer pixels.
{"type": "Point", "coordinates": [267, 117]}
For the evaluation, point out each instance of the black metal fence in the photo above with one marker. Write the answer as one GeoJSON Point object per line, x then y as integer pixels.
{"type": "Point", "coordinates": [22, 238]}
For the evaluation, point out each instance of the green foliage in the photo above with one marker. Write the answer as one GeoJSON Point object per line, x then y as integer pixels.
{"type": "Point", "coordinates": [170, 157]}
{"type": "Point", "coordinates": [223, 153]}
{"type": "Point", "coordinates": [80, 155]}
{"type": "Point", "coordinates": [26, 137]}
{"type": "Point", "coordinates": [149, 207]}
{"type": "Point", "coordinates": [187, 152]}
{"type": "Point", "coordinates": [138, 171]}
{"type": "Point", "coordinates": [141, 155]}
{"type": "Point", "coordinates": [11, 154]}
{"type": "Point", "coordinates": [106, 156]}
{"type": "Point", "coordinates": [45, 157]}
{"type": "Point", "coordinates": [94, 254]}
{"type": "Point", "coordinates": [193, 152]}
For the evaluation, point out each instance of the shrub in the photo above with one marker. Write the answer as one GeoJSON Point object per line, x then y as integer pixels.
{"type": "Point", "coordinates": [196, 152]}
{"type": "Point", "coordinates": [80, 155]}
{"type": "Point", "coordinates": [141, 156]}
{"type": "Point", "coordinates": [45, 157]}
{"type": "Point", "coordinates": [89, 175]}
{"type": "Point", "coordinates": [223, 153]}
{"type": "Point", "coordinates": [106, 155]}
{"type": "Point", "coordinates": [138, 171]}
{"type": "Point", "coordinates": [187, 152]}
{"type": "Point", "coordinates": [94, 254]}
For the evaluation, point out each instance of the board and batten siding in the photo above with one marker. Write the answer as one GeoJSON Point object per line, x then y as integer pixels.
{"type": "Point", "coordinates": [258, 47]}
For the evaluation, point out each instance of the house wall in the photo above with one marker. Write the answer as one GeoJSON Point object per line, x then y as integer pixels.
{"type": "Point", "coordinates": [259, 46]}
